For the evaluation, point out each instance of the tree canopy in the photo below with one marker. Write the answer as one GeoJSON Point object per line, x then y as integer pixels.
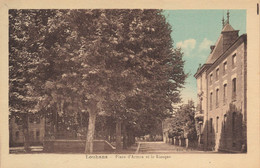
{"type": "Point", "coordinates": [119, 63]}
{"type": "Point", "coordinates": [183, 122]}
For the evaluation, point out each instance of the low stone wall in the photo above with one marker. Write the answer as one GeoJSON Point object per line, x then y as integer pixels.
{"type": "Point", "coordinates": [75, 146]}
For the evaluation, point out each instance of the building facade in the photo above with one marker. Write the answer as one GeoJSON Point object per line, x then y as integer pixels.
{"type": "Point", "coordinates": [221, 87]}
{"type": "Point", "coordinates": [36, 130]}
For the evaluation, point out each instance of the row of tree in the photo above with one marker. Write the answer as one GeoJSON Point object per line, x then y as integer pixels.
{"type": "Point", "coordinates": [118, 63]}
{"type": "Point", "coordinates": [182, 124]}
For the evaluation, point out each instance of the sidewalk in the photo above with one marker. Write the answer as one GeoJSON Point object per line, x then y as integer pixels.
{"type": "Point", "coordinates": [33, 149]}
{"type": "Point", "coordinates": [130, 150]}
{"type": "Point", "coordinates": [165, 148]}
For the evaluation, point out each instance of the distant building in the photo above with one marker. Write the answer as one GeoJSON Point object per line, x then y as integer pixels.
{"type": "Point", "coordinates": [36, 129]}
{"type": "Point", "coordinates": [222, 99]}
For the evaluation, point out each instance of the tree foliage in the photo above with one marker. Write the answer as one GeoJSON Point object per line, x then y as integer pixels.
{"type": "Point", "coordinates": [183, 122]}
{"type": "Point", "coordinates": [119, 63]}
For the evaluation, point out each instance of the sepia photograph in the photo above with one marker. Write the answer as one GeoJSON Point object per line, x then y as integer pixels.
{"type": "Point", "coordinates": [127, 81]}
{"type": "Point", "coordinates": [129, 84]}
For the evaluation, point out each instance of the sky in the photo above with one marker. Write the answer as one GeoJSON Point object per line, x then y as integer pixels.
{"type": "Point", "coordinates": [194, 31]}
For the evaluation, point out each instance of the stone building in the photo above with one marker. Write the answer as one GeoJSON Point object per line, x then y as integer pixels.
{"type": "Point", "coordinates": [222, 87]}
{"type": "Point", "coordinates": [36, 129]}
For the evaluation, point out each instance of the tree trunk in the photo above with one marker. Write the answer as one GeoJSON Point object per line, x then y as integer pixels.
{"type": "Point", "coordinates": [56, 120]}
{"type": "Point", "coordinates": [90, 133]}
{"type": "Point", "coordinates": [131, 138]}
{"type": "Point", "coordinates": [45, 128]}
{"type": "Point", "coordinates": [26, 140]}
{"type": "Point", "coordinates": [26, 133]}
{"type": "Point", "coordinates": [10, 134]}
{"type": "Point", "coordinates": [118, 136]}
{"type": "Point", "coordinates": [125, 144]}
{"type": "Point", "coordinates": [80, 112]}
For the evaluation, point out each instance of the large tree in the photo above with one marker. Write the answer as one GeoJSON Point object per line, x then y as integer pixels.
{"type": "Point", "coordinates": [147, 71]}
{"type": "Point", "coordinates": [27, 30]}
{"type": "Point", "coordinates": [99, 61]}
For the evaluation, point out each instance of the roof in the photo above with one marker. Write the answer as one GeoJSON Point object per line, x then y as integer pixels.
{"type": "Point", "coordinates": [234, 45]}
{"type": "Point", "coordinates": [208, 66]}
{"type": "Point", "coordinates": [227, 27]}
{"type": "Point", "coordinates": [219, 48]}
{"type": "Point", "coordinates": [201, 69]}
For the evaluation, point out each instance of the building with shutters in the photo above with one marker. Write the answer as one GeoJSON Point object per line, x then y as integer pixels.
{"type": "Point", "coordinates": [36, 130]}
{"type": "Point", "coordinates": [221, 93]}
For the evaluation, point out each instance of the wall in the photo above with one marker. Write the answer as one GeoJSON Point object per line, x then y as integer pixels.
{"type": "Point", "coordinates": [33, 127]}
{"type": "Point", "coordinates": [221, 138]}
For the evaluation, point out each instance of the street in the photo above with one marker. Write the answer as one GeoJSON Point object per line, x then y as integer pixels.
{"type": "Point", "coordinates": [139, 148]}
{"type": "Point", "coordinates": [162, 148]}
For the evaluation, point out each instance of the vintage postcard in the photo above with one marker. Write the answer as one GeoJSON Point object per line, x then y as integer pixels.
{"type": "Point", "coordinates": [171, 83]}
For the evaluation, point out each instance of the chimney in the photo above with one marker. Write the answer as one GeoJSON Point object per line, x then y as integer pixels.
{"type": "Point", "coordinates": [229, 38]}
{"type": "Point", "coordinates": [212, 48]}
{"type": "Point", "coordinates": [229, 34]}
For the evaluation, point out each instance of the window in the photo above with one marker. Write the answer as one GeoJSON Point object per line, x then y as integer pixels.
{"type": "Point", "coordinates": [234, 88]}
{"type": "Point", "coordinates": [211, 125]}
{"type": "Point", "coordinates": [31, 135]}
{"type": "Point", "coordinates": [234, 60]}
{"type": "Point", "coordinates": [18, 120]}
{"type": "Point", "coordinates": [224, 93]}
{"type": "Point", "coordinates": [217, 124]}
{"type": "Point", "coordinates": [225, 67]}
{"type": "Point", "coordinates": [31, 119]}
{"type": "Point", "coordinates": [217, 74]}
{"type": "Point", "coordinates": [224, 122]}
{"type": "Point", "coordinates": [210, 101]}
{"type": "Point", "coordinates": [210, 78]}
{"type": "Point", "coordinates": [38, 120]}
{"type": "Point", "coordinates": [217, 92]}
{"type": "Point", "coordinates": [17, 135]}
{"type": "Point", "coordinates": [37, 134]}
